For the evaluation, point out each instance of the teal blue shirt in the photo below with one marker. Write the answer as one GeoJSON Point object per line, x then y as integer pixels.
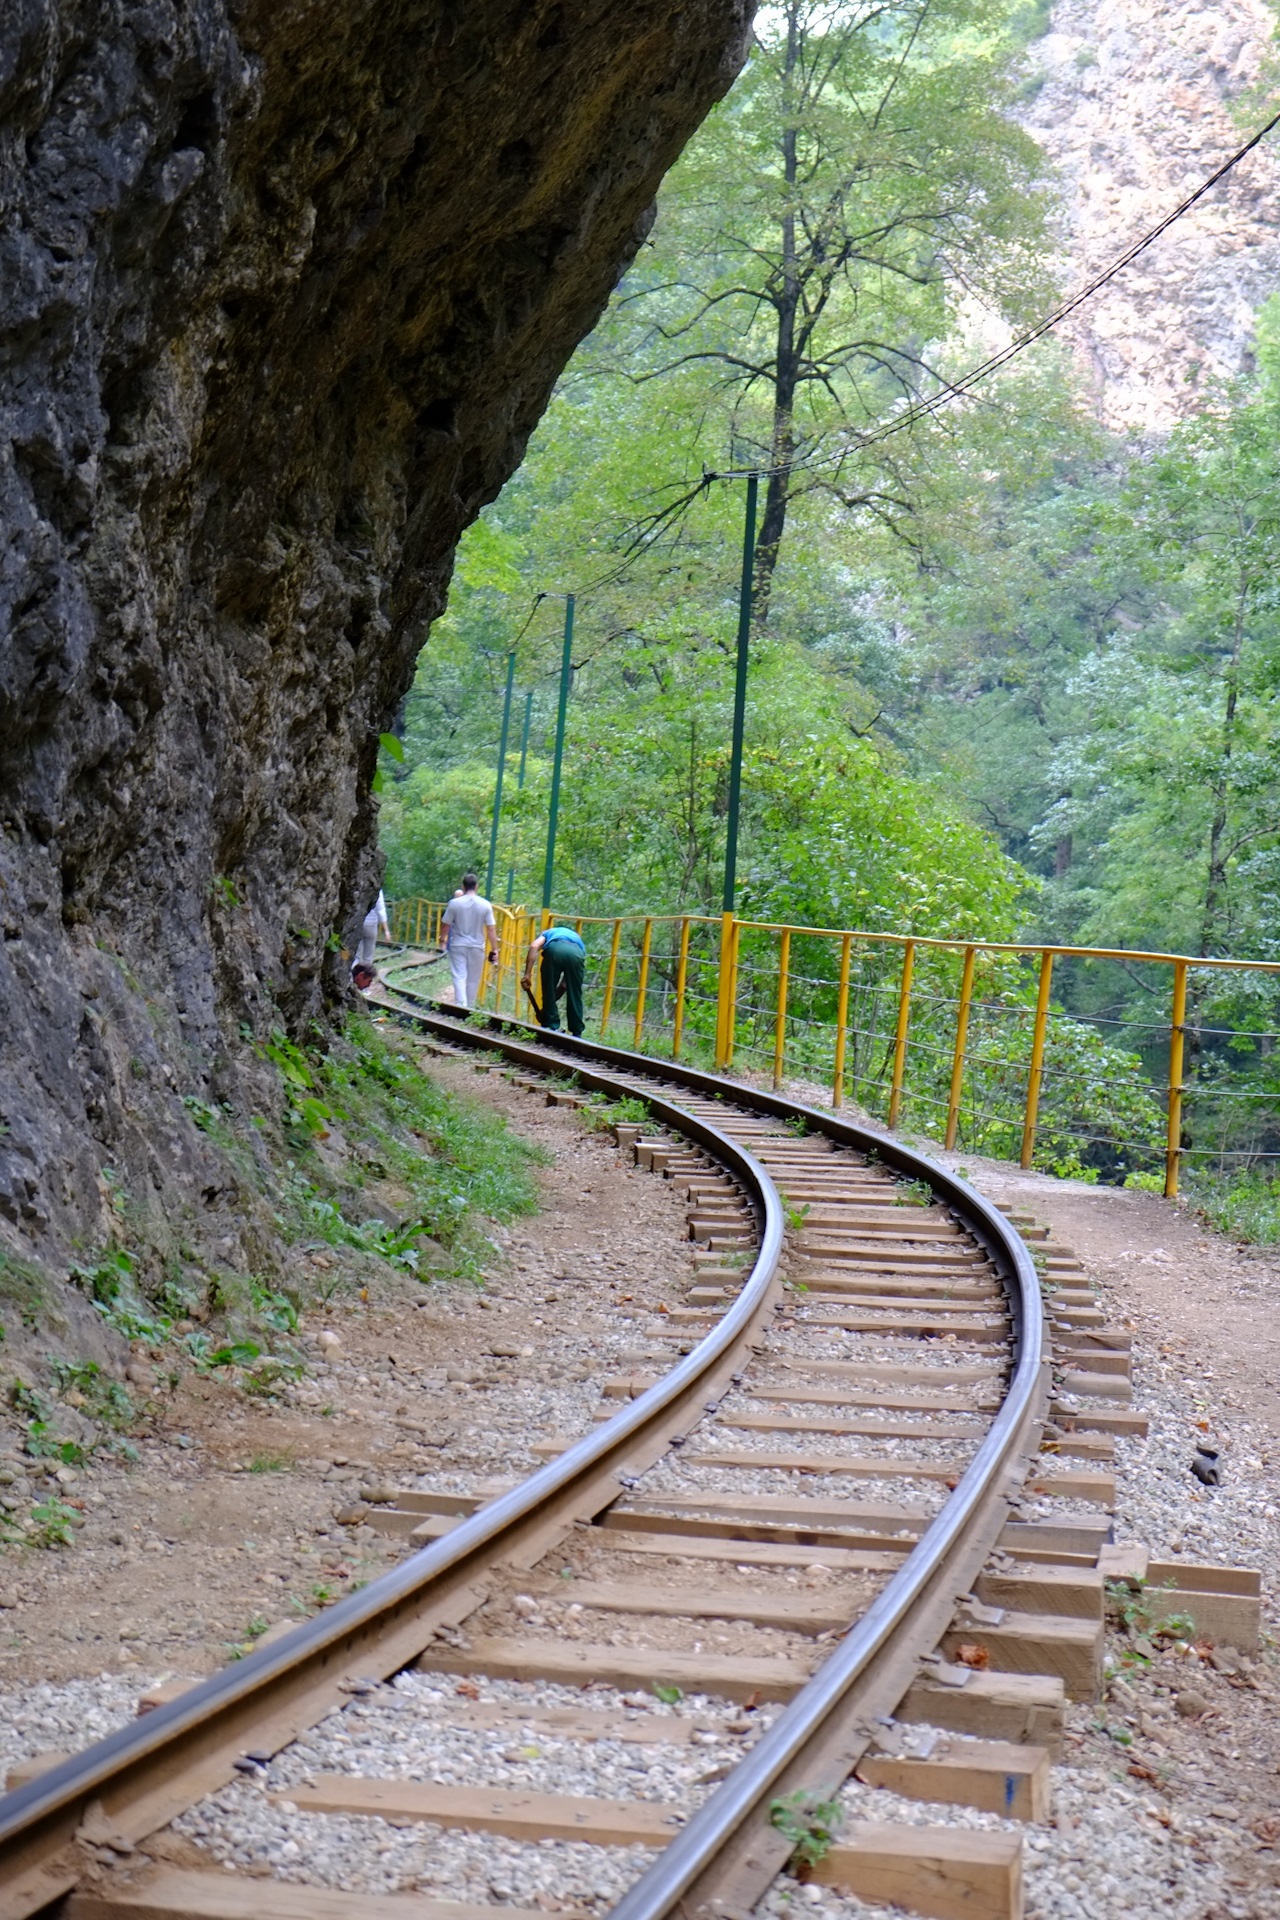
{"type": "Point", "coordinates": [564, 937]}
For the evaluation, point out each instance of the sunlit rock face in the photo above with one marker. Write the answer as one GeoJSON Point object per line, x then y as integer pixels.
{"type": "Point", "coordinates": [1133, 100]}
{"type": "Point", "coordinates": [284, 286]}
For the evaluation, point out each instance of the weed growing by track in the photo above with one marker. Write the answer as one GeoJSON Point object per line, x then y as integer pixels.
{"type": "Point", "coordinates": [1244, 1206]}
{"type": "Point", "coordinates": [371, 1180]}
{"type": "Point", "coordinates": [810, 1821]}
{"type": "Point", "coordinates": [456, 1158]}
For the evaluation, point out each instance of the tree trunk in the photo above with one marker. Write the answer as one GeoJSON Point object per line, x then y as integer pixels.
{"type": "Point", "coordinates": [1216, 879]}
{"type": "Point", "coordinates": [786, 365]}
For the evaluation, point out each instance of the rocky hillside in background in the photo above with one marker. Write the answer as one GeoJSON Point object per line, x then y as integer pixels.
{"type": "Point", "coordinates": [1131, 100]}
{"type": "Point", "coordinates": [283, 291]}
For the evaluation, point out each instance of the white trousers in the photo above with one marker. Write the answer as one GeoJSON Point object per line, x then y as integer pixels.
{"type": "Point", "coordinates": [368, 945]}
{"type": "Point", "coordinates": [466, 965]}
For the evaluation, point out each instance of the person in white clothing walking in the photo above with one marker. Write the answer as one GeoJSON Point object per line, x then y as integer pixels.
{"type": "Point", "coordinates": [469, 926]}
{"type": "Point", "coordinates": [362, 966]}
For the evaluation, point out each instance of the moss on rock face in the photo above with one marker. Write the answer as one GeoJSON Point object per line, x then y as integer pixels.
{"type": "Point", "coordinates": [283, 292]}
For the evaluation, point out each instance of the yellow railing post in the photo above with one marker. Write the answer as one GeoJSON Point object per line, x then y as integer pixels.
{"type": "Point", "coordinates": [731, 1028]}
{"type": "Point", "coordinates": [517, 966]}
{"type": "Point", "coordinates": [610, 977]}
{"type": "Point", "coordinates": [524, 933]}
{"type": "Point", "coordinates": [1037, 1059]}
{"type": "Point", "coordinates": [780, 1021]}
{"type": "Point", "coordinates": [900, 1036]}
{"type": "Point", "coordinates": [842, 1019]}
{"type": "Point", "coordinates": [417, 926]}
{"type": "Point", "coordinates": [646, 939]}
{"type": "Point", "coordinates": [504, 958]}
{"type": "Point", "coordinates": [962, 1034]}
{"type": "Point", "coordinates": [682, 974]}
{"type": "Point", "coordinates": [725, 993]}
{"type": "Point", "coordinates": [1177, 1034]}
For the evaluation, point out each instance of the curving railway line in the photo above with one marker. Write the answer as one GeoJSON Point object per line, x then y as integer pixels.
{"type": "Point", "coordinates": [839, 1455]}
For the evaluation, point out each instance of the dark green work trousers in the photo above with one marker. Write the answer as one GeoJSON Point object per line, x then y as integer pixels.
{"type": "Point", "coordinates": [561, 974]}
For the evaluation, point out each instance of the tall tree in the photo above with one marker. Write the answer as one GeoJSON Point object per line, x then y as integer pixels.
{"type": "Point", "coordinates": [860, 200]}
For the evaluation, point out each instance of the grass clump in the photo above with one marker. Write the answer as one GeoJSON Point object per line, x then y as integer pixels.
{"type": "Point", "coordinates": [453, 1156]}
{"type": "Point", "coordinates": [598, 1113]}
{"type": "Point", "coordinates": [913, 1193]}
{"type": "Point", "coordinates": [22, 1287]}
{"type": "Point", "coordinates": [1243, 1206]}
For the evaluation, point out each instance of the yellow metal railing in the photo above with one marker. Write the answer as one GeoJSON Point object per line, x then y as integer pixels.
{"type": "Point", "coordinates": [698, 972]}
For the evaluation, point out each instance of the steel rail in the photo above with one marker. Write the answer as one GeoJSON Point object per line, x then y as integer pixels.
{"type": "Point", "coordinates": [38, 1821]}
{"type": "Point", "coordinates": [687, 1857]}
{"type": "Point", "coordinates": [51, 1806]}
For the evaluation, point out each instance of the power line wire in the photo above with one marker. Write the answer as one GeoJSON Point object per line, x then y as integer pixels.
{"type": "Point", "coordinates": [954, 389]}
{"type": "Point", "coordinates": [919, 409]}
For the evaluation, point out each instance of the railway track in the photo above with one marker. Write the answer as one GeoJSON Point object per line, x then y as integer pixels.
{"type": "Point", "coordinates": [839, 1458]}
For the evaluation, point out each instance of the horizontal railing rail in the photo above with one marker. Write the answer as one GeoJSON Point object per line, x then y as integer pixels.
{"type": "Point", "coordinates": [959, 1038]}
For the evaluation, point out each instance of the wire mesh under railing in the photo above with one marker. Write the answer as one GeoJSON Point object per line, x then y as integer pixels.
{"type": "Point", "coordinates": [1086, 1061]}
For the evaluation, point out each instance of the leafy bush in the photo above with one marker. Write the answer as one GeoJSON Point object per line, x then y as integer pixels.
{"type": "Point", "coordinates": [1245, 1206]}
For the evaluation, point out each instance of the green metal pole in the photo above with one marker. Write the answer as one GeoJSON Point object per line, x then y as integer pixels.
{"type": "Point", "coordinates": [524, 751]}
{"type": "Point", "coordinates": [740, 695]}
{"type": "Point", "coordinates": [548, 872]}
{"type": "Point", "coordinates": [502, 763]}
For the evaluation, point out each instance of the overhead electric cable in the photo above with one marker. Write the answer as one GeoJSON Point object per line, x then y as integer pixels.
{"type": "Point", "coordinates": [953, 389]}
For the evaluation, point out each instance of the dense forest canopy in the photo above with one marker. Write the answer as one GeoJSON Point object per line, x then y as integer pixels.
{"type": "Point", "coordinates": [1010, 675]}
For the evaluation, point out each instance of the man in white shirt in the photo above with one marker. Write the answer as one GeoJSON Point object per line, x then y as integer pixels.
{"type": "Point", "coordinates": [469, 926]}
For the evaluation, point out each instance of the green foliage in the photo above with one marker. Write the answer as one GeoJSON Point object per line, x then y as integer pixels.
{"type": "Point", "coordinates": [255, 1627]}
{"type": "Point", "coordinates": [23, 1286]}
{"type": "Point", "coordinates": [111, 1284]}
{"type": "Point", "coordinates": [669, 1696]}
{"type": "Point", "coordinates": [264, 1378]}
{"type": "Point", "coordinates": [1030, 20]}
{"type": "Point", "coordinates": [105, 1280]}
{"type": "Point", "coordinates": [810, 1821]}
{"type": "Point", "coordinates": [1244, 1206]}
{"type": "Point", "coordinates": [456, 1159]}
{"type": "Point", "coordinates": [1138, 1611]}
{"type": "Point", "coordinates": [307, 1113]}
{"type": "Point", "coordinates": [274, 1310]}
{"type": "Point", "coordinates": [598, 1113]}
{"type": "Point", "coordinates": [796, 1215]}
{"type": "Point", "coordinates": [270, 1463]}
{"type": "Point", "coordinates": [55, 1523]}
{"type": "Point", "coordinates": [1009, 677]}
{"type": "Point", "coordinates": [210, 1120]}
{"type": "Point", "coordinates": [240, 1353]}
{"type": "Point", "coordinates": [103, 1399]}
{"type": "Point", "coordinates": [41, 1442]}
{"type": "Point", "coordinates": [913, 1193]}
{"type": "Point", "coordinates": [857, 187]}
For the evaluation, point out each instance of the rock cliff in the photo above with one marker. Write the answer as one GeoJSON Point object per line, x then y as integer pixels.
{"type": "Point", "coordinates": [284, 286]}
{"type": "Point", "coordinates": [1132, 101]}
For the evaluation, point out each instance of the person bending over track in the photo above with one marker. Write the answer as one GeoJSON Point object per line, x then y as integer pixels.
{"type": "Point", "coordinates": [563, 958]}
